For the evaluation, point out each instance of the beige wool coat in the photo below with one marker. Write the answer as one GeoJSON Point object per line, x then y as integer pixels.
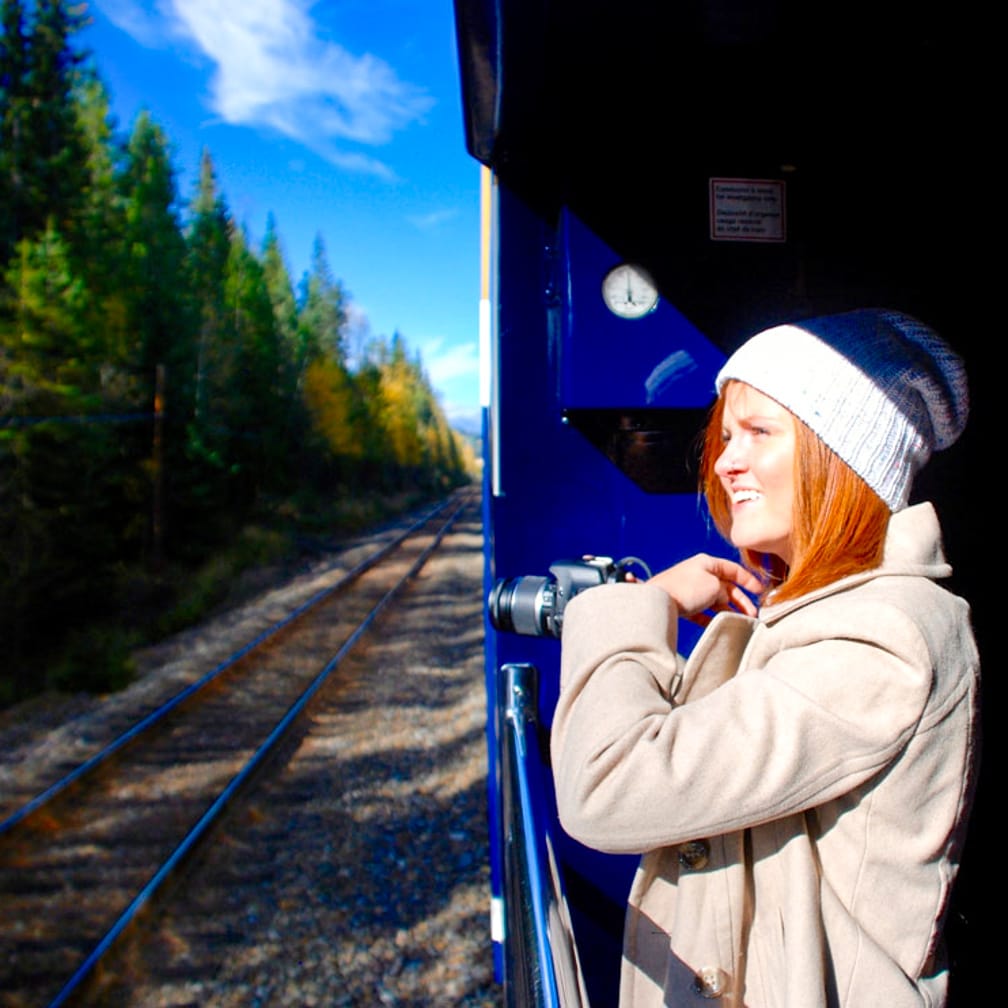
{"type": "Point", "coordinates": [798, 787]}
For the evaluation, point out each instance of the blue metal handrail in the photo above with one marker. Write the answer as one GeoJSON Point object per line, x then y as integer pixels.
{"type": "Point", "coordinates": [541, 962]}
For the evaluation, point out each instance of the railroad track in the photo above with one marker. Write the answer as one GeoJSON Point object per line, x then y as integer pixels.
{"type": "Point", "coordinates": [88, 857]}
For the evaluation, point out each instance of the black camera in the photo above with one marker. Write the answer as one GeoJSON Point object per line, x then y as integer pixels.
{"type": "Point", "coordinates": [534, 606]}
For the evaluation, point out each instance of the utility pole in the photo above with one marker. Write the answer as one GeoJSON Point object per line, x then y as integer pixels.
{"type": "Point", "coordinates": [157, 531]}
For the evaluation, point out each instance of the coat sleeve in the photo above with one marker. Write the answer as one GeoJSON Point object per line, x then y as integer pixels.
{"type": "Point", "coordinates": [635, 770]}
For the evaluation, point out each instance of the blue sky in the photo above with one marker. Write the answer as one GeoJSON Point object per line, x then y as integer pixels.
{"type": "Point", "coordinates": [342, 119]}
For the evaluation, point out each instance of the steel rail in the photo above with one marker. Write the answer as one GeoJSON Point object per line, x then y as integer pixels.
{"type": "Point", "coordinates": [222, 801]}
{"type": "Point", "coordinates": [137, 729]}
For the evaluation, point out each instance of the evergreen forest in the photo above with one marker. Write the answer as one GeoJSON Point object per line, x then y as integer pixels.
{"type": "Point", "coordinates": [173, 406]}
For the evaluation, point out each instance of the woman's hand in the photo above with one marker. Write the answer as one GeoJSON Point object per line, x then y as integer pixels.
{"type": "Point", "coordinates": [705, 584]}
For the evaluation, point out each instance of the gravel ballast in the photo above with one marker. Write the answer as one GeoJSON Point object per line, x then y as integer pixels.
{"type": "Point", "coordinates": [358, 873]}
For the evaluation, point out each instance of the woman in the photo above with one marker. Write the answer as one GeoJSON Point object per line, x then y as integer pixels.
{"type": "Point", "coordinates": [799, 787]}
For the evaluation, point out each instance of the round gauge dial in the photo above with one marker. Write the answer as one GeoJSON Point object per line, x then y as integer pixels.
{"type": "Point", "coordinates": [629, 291]}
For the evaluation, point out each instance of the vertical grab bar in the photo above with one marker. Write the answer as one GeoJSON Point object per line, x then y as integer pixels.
{"type": "Point", "coordinates": [541, 963]}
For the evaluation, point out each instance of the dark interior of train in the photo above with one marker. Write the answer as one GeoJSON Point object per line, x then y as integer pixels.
{"type": "Point", "coordinates": [877, 116]}
{"type": "Point", "coordinates": [880, 118]}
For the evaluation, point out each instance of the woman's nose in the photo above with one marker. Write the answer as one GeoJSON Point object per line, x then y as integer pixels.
{"type": "Point", "coordinates": [730, 460]}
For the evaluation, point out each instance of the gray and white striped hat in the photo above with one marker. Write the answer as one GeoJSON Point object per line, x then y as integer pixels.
{"type": "Point", "coordinates": [880, 388]}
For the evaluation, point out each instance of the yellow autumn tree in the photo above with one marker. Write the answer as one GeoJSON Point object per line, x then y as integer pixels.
{"type": "Point", "coordinates": [329, 396]}
{"type": "Point", "coordinates": [398, 413]}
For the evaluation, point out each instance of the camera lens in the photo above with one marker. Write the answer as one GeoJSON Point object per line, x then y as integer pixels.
{"type": "Point", "coordinates": [521, 605]}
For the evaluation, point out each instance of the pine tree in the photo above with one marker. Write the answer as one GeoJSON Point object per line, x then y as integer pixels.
{"type": "Point", "coordinates": [60, 492]}
{"type": "Point", "coordinates": [154, 261]}
{"type": "Point", "coordinates": [323, 316]}
{"type": "Point", "coordinates": [208, 245]}
{"type": "Point", "coordinates": [256, 410]}
{"type": "Point", "coordinates": [278, 282]}
{"type": "Point", "coordinates": [285, 314]}
{"type": "Point", "coordinates": [15, 106]}
{"type": "Point", "coordinates": [329, 392]}
{"type": "Point", "coordinates": [101, 217]}
{"type": "Point", "coordinates": [49, 152]}
{"type": "Point", "coordinates": [204, 485]}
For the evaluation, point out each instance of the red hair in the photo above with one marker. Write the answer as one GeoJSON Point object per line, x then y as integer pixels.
{"type": "Point", "coordinates": [839, 522]}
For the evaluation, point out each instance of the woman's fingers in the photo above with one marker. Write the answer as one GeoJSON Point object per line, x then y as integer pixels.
{"type": "Point", "coordinates": [702, 582]}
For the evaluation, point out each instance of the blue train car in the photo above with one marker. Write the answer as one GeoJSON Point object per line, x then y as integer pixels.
{"type": "Point", "coordinates": [661, 180]}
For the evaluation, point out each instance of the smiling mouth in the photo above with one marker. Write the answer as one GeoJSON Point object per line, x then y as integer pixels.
{"type": "Point", "coordinates": [742, 496]}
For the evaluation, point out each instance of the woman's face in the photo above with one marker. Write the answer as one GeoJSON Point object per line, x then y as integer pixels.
{"type": "Point", "coordinates": [756, 469]}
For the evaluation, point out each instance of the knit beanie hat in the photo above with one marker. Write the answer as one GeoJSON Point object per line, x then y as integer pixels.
{"type": "Point", "coordinates": [878, 387]}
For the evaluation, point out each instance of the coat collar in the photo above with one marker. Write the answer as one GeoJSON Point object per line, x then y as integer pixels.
{"type": "Point", "coordinates": [913, 546]}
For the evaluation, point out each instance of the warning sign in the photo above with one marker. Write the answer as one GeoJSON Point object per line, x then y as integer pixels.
{"type": "Point", "coordinates": [747, 210]}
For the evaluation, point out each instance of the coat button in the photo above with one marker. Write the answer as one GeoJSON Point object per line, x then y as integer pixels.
{"type": "Point", "coordinates": [710, 983]}
{"type": "Point", "coordinates": [694, 854]}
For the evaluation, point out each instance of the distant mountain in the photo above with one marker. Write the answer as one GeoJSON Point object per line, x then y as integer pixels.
{"type": "Point", "coordinates": [466, 420]}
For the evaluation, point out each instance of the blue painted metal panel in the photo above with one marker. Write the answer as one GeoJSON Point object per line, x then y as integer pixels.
{"type": "Point", "coordinates": [560, 497]}
{"type": "Point", "coordinates": [658, 361]}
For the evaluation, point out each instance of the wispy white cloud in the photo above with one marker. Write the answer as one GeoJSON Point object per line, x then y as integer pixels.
{"type": "Point", "coordinates": [433, 220]}
{"type": "Point", "coordinates": [273, 69]}
{"type": "Point", "coordinates": [134, 19]}
{"type": "Point", "coordinates": [446, 362]}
